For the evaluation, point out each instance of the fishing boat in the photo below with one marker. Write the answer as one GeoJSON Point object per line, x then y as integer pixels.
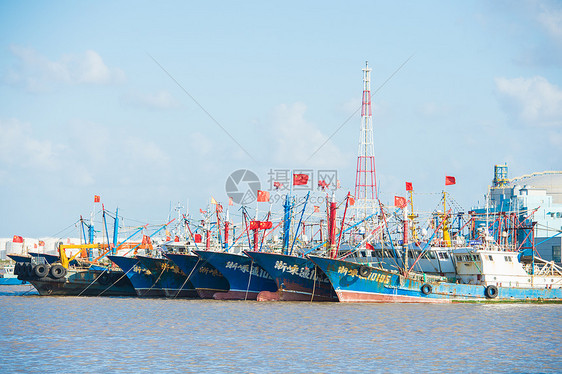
{"type": "Point", "coordinates": [297, 278]}
{"type": "Point", "coordinates": [143, 281]}
{"type": "Point", "coordinates": [483, 274]}
{"type": "Point", "coordinates": [205, 279]}
{"type": "Point", "coordinates": [58, 280]}
{"type": "Point", "coordinates": [167, 277]}
{"type": "Point", "coordinates": [8, 278]}
{"type": "Point", "coordinates": [245, 278]}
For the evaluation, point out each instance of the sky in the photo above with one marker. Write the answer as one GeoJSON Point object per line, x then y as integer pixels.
{"type": "Point", "coordinates": [154, 104]}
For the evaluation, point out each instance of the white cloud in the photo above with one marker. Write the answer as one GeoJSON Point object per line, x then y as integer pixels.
{"type": "Point", "coordinates": [551, 20]}
{"type": "Point", "coordinates": [19, 147]}
{"type": "Point", "coordinates": [37, 73]}
{"type": "Point", "coordinates": [531, 101]}
{"type": "Point", "coordinates": [297, 140]}
{"type": "Point", "coordinates": [159, 100]}
{"type": "Point", "coordinates": [80, 160]}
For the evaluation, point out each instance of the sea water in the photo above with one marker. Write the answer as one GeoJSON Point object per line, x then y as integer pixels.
{"type": "Point", "coordinates": [122, 334]}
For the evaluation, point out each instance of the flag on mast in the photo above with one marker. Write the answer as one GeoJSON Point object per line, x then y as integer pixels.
{"type": "Point", "coordinates": [97, 199]}
{"type": "Point", "coordinates": [449, 180]}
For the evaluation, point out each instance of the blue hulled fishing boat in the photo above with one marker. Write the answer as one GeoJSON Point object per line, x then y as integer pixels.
{"type": "Point", "coordinates": [297, 278]}
{"type": "Point", "coordinates": [205, 278]}
{"type": "Point", "coordinates": [168, 277]}
{"type": "Point", "coordinates": [141, 278]}
{"type": "Point", "coordinates": [482, 274]}
{"type": "Point", "coordinates": [246, 278]}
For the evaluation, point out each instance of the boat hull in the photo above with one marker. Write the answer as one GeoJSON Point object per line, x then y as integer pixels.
{"type": "Point", "coordinates": [141, 278]}
{"type": "Point", "coordinates": [246, 278]}
{"type": "Point", "coordinates": [379, 285]}
{"type": "Point", "coordinates": [205, 278]}
{"type": "Point", "coordinates": [168, 277]}
{"type": "Point", "coordinates": [297, 278]}
{"type": "Point", "coordinates": [85, 282]}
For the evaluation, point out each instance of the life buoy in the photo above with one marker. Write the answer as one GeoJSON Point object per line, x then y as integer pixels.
{"type": "Point", "coordinates": [491, 292]}
{"type": "Point", "coordinates": [364, 271]}
{"type": "Point", "coordinates": [41, 270]}
{"type": "Point", "coordinates": [58, 271]}
{"type": "Point", "coordinates": [426, 289]}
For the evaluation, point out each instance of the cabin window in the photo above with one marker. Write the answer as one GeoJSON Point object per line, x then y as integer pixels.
{"type": "Point", "coordinates": [364, 254]}
{"type": "Point", "coordinates": [441, 255]}
{"type": "Point", "coordinates": [373, 254]}
{"type": "Point", "coordinates": [556, 253]}
{"type": "Point", "coordinates": [507, 258]}
{"type": "Point", "coordinates": [490, 258]}
{"type": "Point", "coordinates": [445, 255]}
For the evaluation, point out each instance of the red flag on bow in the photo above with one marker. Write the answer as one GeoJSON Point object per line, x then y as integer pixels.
{"type": "Point", "coordinates": [197, 238]}
{"type": "Point", "coordinates": [17, 239]}
{"type": "Point", "coordinates": [400, 202]}
{"type": "Point", "coordinates": [300, 179]}
{"type": "Point", "coordinates": [263, 196]}
{"type": "Point", "coordinates": [449, 180]}
{"type": "Point", "coordinates": [409, 186]}
{"type": "Point", "coordinates": [97, 199]}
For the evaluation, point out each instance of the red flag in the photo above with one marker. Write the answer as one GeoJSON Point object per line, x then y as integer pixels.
{"type": "Point", "coordinates": [97, 199]}
{"type": "Point", "coordinates": [369, 246]}
{"type": "Point", "coordinates": [449, 180]}
{"type": "Point", "coordinates": [400, 202]}
{"type": "Point", "coordinates": [264, 225]}
{"type": "Point", "coordinates": [254, 225]}
{"type": "Point", "coordinates": [409, 186]}
{"type": "Point", "coordinates": [263, 196]}
{"type": "Point", "coordinates": [300, 179]}
{"type": "Point", "coordinates": [197, 238]}
{"type": "Point", "coordinates": [41, 243]}
{"type": "Point", "coordinates": [17, 239]}
{"type": "Point", "coordinates": [351, 201]}
{"type": "Point", "coordinates": [34, 245]}
{"type": "Point", "coordinates": [316, 209]}
{"type": "Point", "coordinates": [230, 201]}
{"type": "Point", "coordinates": [277, 185]}
{"type": "Point", "coordinates": [323, 184]}
{"type": "Point", "coordinates": [176, 239]}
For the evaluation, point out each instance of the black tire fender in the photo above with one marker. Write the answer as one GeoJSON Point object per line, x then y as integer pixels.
{"type": "Point", "coordinates": [57, 271]}
{"type": "Point", "coordinates": [426, 289]}
{"type": "Point", "coordinates": [41, 270]}
{"type": "Point", "coordinates": [364, 271]}
{"type": "Point", "coordinates": [491, 292]}
{"type": "Point", "coordinates": [17, 268]}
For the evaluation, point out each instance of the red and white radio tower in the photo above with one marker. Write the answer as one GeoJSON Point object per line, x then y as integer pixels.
{"type": "Point", "coordinates": [365, 178]}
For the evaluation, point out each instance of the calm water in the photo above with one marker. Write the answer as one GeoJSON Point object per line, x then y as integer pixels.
{"type": "Point", "coordinates": [85, 334]}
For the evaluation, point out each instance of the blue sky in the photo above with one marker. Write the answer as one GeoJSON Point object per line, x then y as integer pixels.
{"type": "Point", "coordinates": [87, 111]}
